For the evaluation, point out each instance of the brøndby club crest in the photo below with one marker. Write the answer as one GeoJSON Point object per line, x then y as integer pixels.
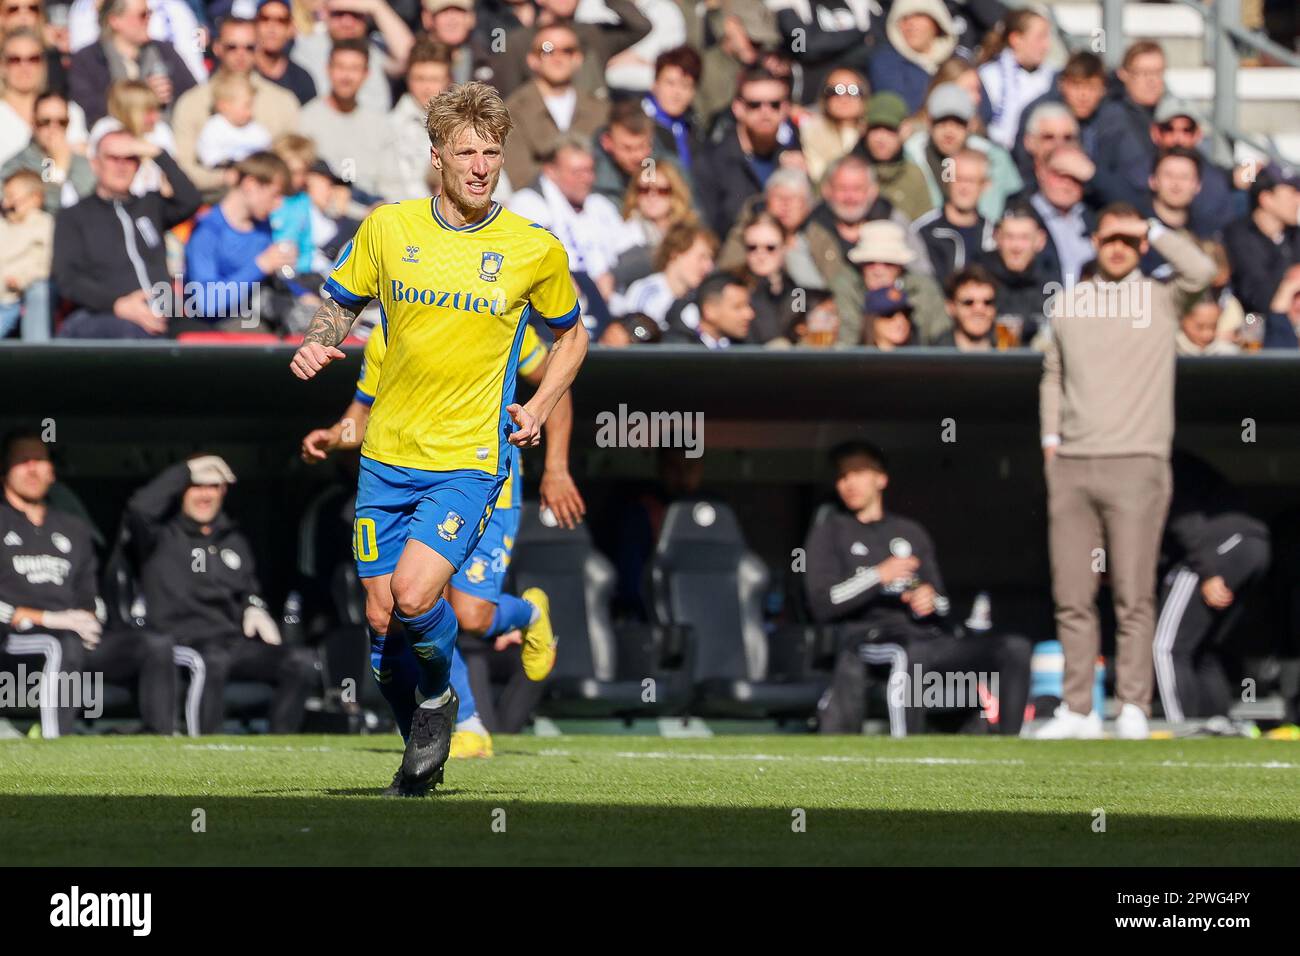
{"type": "Point", "coordinates": [490, 266]}
{"type": "Point", "coordinates": [450, 526]}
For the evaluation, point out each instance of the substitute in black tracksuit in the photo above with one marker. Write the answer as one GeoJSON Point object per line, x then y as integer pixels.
{"type": "Point", "coordinates": [49, 603]}
{"type": "Point", "coordinates": [199, 584]}
{"type": "Point", "coordinates": [1215, 552]}
{"type": "Point", "coordinates": [876, 574]}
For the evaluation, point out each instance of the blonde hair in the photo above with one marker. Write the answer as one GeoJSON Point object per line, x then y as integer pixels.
{"type": "Point", "coordinates": [289, 146]}
{"type": "Point", "coordinates": [474, 105]}
{"type": "Point", "coordinates": [226, 85]}
{"type": "Point", "coordinates": [128, 101]}
{"type": "Point", "coordinates": [680, 203]}
{"type": "Point", "coordinates": [29, 179]}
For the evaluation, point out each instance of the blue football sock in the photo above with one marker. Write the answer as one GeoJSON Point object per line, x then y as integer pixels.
{"type": "Point", "coordinates": [395, 670]}
{"type": "Point", "coordinates": [432, 636]}
{"type": "Point", "coordinates": [460, 684]}
{"type": "Point", "coordinates": [511, 613]}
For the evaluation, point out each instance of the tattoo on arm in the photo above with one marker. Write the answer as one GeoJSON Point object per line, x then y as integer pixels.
{"type": "Point", "coordinates": [331, 324]}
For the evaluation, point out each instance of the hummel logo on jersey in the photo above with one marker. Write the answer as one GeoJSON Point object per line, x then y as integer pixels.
{"type": "Point", "coordinates": [13, 540]}
{"type": "Point", "coordinates": [859, 549]}
{"type": "Point", "coordinates": [412, 254]}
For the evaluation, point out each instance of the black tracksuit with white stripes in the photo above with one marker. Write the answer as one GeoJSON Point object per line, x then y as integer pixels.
{"type": "Point", "coordinates": [52, 567]}
{"type": "Point", "coordinates": [844, 588]}
{"type": "Point", "coordinates": [1207, 535]}
{"type": "Point", "coordinates": [197, 583]}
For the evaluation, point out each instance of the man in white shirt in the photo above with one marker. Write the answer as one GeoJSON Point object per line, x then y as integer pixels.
{"type": "Point", "coordinates": [348, 137]}
{"type": "Point", "coordinates": [586, 222]}
{"type": "Point", "coordinates": [350, 20]}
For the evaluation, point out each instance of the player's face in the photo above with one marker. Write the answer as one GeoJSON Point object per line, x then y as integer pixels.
{"type": "Point", "coordinates": [471, 166]}
{"type": "Point", "coordinates": [202, 503]}
{"type": "Point", "coordinates": [30, 472]}
{"type": "Point", "coordinates": [858, 483]}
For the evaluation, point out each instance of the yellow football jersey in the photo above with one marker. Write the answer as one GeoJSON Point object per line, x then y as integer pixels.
{"type": "Point", "coordinates": [454, 307]}
{"type": "Point", "coordinates": [532, 355]}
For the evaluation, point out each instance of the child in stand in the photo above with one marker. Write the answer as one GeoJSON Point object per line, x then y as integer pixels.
{"type": "Point", "coordinates": [230, 134]}
{"type": "Point", "coordinates": [26, 249]}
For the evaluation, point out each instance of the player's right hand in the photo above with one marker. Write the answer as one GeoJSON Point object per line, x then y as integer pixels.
{"type": "Point", "coordinates": [316, 446]}
{"type": "Point", "coordinates": [312, 357]}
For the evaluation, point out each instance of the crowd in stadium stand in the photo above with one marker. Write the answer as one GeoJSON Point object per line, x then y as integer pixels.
{"type": "Point", "coordinates": [921, 175]}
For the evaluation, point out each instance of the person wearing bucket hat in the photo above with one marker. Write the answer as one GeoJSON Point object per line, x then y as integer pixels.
{"type": "Point", "coordinates": [885, 260]}
{"type": "Point", "coordinates": [887, 320]}
{"type": "Point", "coordinates": [900, 180]}
{"type": "Point", "coordinates": [951, 112]}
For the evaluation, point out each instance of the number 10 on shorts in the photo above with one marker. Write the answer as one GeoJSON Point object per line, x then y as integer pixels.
{"type": "Point", "coordinates": [365, 546]}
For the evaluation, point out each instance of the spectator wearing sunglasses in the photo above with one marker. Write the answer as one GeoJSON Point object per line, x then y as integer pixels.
{"type": "Point", "coordinates": [351, 20]}
{"type": "Point", "coordinates": [971, 298]}
{"type": "Point", "coordinates": [275, 33]}
{"type": "Point", "coordinates": [126, 51]}
{"type": "Point", "coordinates": [839, 123]}
{"type": "Point", "coordinates": [826, 36]}
{"type": "Point", "coordinates": [66, 173]}
{"type": "Point", "coordinates": [549, 105]}
{"type": "Point", "coordinates": [275, 109]}
{"type": "Point", "coordinates": [16, 14]}
{"type": "Point", "coordinates": [22, 79]}
{"type": "Point", "coordinates": [654, 202]}
{"type": "Point", "coordinates": [771, 290]}
{"type": "Point", "coordinates": [729, 172]}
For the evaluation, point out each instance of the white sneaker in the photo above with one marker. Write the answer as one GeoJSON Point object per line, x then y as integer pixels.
{"type": "Point", "coordinates": [1067, 725]}
{"type": "Point", "coordinates": [1131, 724]}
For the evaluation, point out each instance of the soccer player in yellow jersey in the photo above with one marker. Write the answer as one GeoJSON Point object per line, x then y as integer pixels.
{"type": "Point", "coordinates": [457, 278]}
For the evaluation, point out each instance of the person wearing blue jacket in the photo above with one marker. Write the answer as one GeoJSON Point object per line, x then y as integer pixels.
{"type": "Point", "coordinates": [920, 35]}
{"type": "Point", "coordinates": [231, 253]}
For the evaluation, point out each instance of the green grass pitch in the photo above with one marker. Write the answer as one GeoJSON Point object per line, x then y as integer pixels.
{"type": "Point", "coordinates": [642, 800]}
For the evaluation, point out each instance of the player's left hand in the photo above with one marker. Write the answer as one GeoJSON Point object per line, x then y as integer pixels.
{"type": "Point", "coordinates": [528, 434]}
{"type": "Point", "coordinates": [920, 599]}
{"type": "Point", "coordinates": [561, 496]}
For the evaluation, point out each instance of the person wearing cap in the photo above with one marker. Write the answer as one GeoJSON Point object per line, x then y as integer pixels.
{"type": "Point", "coordinates": [274, 107]}
{"type": "Point", "coordinates": [355, 20]}
{"type": "Point", "coordinates": [921, 34]}
{"type": "Point", "coordinates": [599, 42]}
{"type": "Point", "coordinates": [1106, 419]}
{"type": "Point", "coordinates": [883, 258]}
{"type": "Point", "coordinates": [956, 234]}
{"type": "Point", "coordinates": [549, 106]}
{"type": "Point", "coordinates": [275, 34]}
{"type": "Point", "coordinates": [887, 320]}
{"type": "Point", "coordinates": [199, 584]}
{"type": "Point", "coordinates": [51, 614]}
{"type": "Point", "coordinates": [1264, 244]}
{"type": "Point", "coordinates": [900, 180]}
{"type": "Point", "coordinates": [717, 315]}
{"type": "Point", "coordinates": [951, 112]}
{"type": "Point", "coordinates": [728, 172]}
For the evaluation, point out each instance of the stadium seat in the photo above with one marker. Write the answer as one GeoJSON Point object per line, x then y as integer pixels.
{"type": "Point", "coordinates": [600, 668]}
{"type": "Point", "coordinates": [702, 575]}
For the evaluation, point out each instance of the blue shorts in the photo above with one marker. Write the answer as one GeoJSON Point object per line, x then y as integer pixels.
{"type": "Point", "coordinates": [446, 510]}
{"type": "Point", "coordinates": [484, 574]}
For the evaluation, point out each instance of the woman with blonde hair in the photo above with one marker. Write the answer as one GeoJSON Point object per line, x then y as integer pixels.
{"type": "Point", "coordinates": [655, 201]}
{"type": "Point", "coordinates": [838, 124]}
{"type": "Point", "coordinates": [1013, 70]}
{"type": "Point", "coordinates": [135, 107]}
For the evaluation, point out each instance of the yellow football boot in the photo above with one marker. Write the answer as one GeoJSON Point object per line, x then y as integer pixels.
{"type": "Point", "coordinates": [539, 639]}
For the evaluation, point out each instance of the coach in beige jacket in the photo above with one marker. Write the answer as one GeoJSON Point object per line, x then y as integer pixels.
{"type": "Point", "coordinates": [1106, 410]}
